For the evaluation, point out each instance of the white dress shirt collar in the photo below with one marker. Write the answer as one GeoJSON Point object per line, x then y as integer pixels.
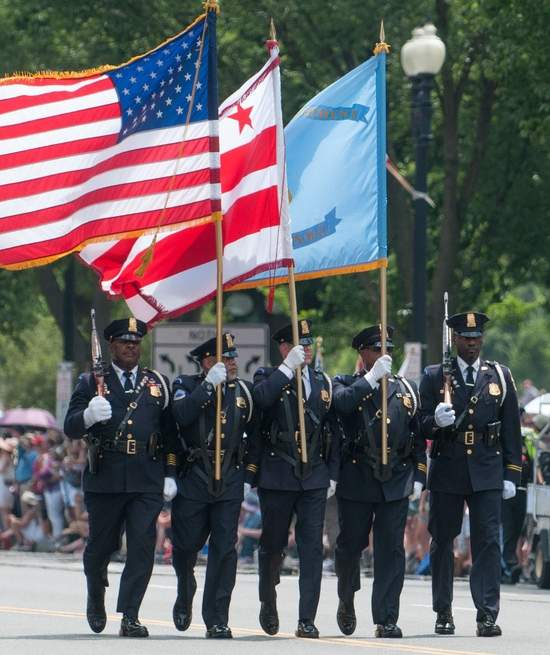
{"type": "Point", "coordinates": [463, 366]}
{"type": "Point", "coordinates": [120, 373]}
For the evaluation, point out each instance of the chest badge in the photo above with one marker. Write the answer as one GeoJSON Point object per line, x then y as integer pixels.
{"type": "Point", "coordinates": [241, 402]}
{"type": "Point", "coordinates": [324, 395]}
{"type": "Point", "coordinates": [494, 389]}
{"type": "Point", "coordinates": [154, 390]}
{"type": "Point", "coordinates": [407, 402]}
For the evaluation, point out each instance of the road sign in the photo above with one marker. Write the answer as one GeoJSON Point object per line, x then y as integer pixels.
{"type": "Point", "coordinates": [173, 341]}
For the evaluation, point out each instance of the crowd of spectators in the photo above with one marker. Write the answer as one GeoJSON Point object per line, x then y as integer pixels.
{"type": "Point", "coordinates": [42, 508]}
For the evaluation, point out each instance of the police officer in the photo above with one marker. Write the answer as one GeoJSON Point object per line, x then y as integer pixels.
{"type": "Point", "coordinates": [287, 487]}
{"type": "Point", "coordinates": [369, 495]}
{"type": "Point", "coordinates": [203, 509]}
{"type": "Point", "coordinates": [476, 457]}
{"type": "Point", "coordinates": [131, 438]}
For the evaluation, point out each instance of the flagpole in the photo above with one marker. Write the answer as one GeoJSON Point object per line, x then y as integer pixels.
{"type": "Point", "coordinates": [296, 341]}
{"type": "Point", "coordinates": [294, 320]}
{"type": "Point", "coordinates": [383, 48]}
{"type": "Point", "coordinates": [212, 9]}
{"type": "Point", "coordinates": [219, 327]}
{"type": "Point", "coordinates": [384, 381]}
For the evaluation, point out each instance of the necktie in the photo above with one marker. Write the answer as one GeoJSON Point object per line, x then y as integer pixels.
{"type": "Point", "coordinates": [470, 376]}
{"type": "Point", "coordinates": [128, 386]}
{"type": "Point", "coordinates": [307, 384]}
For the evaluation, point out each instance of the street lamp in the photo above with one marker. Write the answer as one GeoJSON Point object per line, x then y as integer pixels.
{"type": "Point", "coordinates": [421, 58]}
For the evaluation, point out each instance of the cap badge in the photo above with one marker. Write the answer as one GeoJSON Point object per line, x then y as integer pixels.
{"type": "Point", "coordinates": [471, 320]}
{"type": "Point", "coordinates": [132, 325]}
{"type": "Point", "coordinates": [229, 340]}
{"type": "Point", "coordinates": [305, 327]}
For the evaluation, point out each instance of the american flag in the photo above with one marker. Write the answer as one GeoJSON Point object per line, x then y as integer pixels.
{"type": "Point", "coordinates": [256, 230]}
{"type": "Point", "coordinates": [87, 156]}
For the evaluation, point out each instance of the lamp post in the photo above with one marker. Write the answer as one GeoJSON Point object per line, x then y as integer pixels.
{"type": "Point", "coordinates": [421, 58]}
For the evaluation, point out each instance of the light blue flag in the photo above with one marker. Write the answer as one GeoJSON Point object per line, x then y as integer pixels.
{"type": "Point", "coordinates": [336, 166]}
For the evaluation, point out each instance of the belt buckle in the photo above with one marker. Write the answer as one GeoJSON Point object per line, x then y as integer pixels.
{"type": "Point", "coordinates": [131, 447]}
{"type": "Point", "coordinates": [469, 438]}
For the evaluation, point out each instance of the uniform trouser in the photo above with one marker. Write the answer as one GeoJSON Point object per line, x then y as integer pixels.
{"type": "Point", "coordinates": [278, 508]}
{"type": "Point", "coordinates": [446, 512]}
{"type": "Point", "coordinates": [388, 522]}
{"type": "Point", "coordinates": [513, 516]}
{"type": "Point", "coordinates": [193, 522]}
{"type": "Point", "coordinates": [109, 514]}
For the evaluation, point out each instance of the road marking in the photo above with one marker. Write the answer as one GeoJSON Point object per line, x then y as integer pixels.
{"type": "Point", "coordinates": [455, 607]}
{"type": "Point", "coordinates": [333, 641]}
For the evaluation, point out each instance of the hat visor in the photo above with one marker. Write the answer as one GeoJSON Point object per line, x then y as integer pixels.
{"type": "Point", "coordinates": [469, 333]}
{"type": "Point", "coordinates": [230, 354]}
{"type": "Point", "coordinates": [306, 341]}
{"type": "Point", "coordinates": [127, 337]}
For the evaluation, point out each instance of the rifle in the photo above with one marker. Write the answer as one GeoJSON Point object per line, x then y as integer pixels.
{"type": "Point", "coordinates": [94, 443]}
{"type": "Point", "coordinates": [447, 365]}
{"type": "Point", "coordinates": [97, 362]}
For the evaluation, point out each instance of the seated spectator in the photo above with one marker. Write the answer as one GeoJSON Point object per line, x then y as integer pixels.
{"type": "Point", "coordinates": [7, 449]}
{"type": "Point", "coordinates": [27, 530]}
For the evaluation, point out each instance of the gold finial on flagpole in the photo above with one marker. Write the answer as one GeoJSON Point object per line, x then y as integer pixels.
{"type": "Point", "coordinates": [272, 31]}
{"type": "Point", "coordinates": [211, 5]}
{"type": "Point", "coordinates": [382, 46]}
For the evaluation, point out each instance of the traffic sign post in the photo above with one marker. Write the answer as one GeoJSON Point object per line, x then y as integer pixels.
{"type": "Point", "coordinates": [173, 341]}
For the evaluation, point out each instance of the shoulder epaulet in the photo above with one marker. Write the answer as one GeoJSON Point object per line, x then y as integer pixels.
{"type": "Point", "coordinates": [162, 382]}
{"type": "Point", "coordinates": [243, 385]}
{"type": "Point", "coordinates": [500, 373]}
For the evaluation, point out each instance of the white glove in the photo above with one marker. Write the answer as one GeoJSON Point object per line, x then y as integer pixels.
{"type": "Point", "coordinates": [444, 415]}
{"type": "Point", "coordinates": [381, 367]}
{"type": "Point", "coordinates": [247, 488]}
{"type": "Point", "coordinates": [331, 489]}
{"type": "Point", "coordinates": [417, 491]}
{"type": "Point", "coordinates": [509, 490]}
{"type": "Point", "coordinates": [217, 374]}
{"type": "Point", "coordinates": [295, 358]}
{"type": "Point", "coordinates": [170, 489]}
{"type": "Point", "coordinates": [99, 409]}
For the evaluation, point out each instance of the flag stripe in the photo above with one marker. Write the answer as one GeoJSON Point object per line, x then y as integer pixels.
{"type": "Point", "coordinates": [64, 107]}
{"type": "Point", "coordinates": [132, 222]}
{"type": "Point", "coordinates": [124, 159]}
{"type": "Point", "coordinates": [78, 118]}
{"type": "Point", "coordinates": [104, 216]}
{"type": "Point", "coordinates": [107, 194]}
{"type": "Point", "coordinates": [255, 155]}
{"type": "Point", "coordinates": [35, 156]}
{"type": "Point", "coordinates": [66, 161]}
{"type": "Point", "coordinates": [34, 86]}
{"type": "Point", "coordinates": [26, 102]}
{"type": "Point", "coordinates": [60, 136]}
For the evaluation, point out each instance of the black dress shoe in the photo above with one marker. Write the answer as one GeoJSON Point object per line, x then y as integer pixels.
{"type": "Point", "coordinates": [444, 624]}
{"type": "Point", "coordinates": [219, 631]}
{"type": "Point", "coordinates": [345, 617]}
{"type": "Point", "coordinates": [269, 618]}
{"type": "Point", "coordinates": [182, 616]}
{"type": "Point", "coordinates": [95, 611]}
{"type": "Point", "coordinates": [130, 627]}
{"type": "Point", "coordinates": [388, 631]}
{"type": "Point", "coordinates": [488, 628]}
{"type": "Point", "coordinates": [307, 630]}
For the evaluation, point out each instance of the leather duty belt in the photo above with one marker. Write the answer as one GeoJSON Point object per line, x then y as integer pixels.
{"type": "Point", "coordinates": [127, 446]}
{"type": "Point", "coordinates": [469, 437]}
